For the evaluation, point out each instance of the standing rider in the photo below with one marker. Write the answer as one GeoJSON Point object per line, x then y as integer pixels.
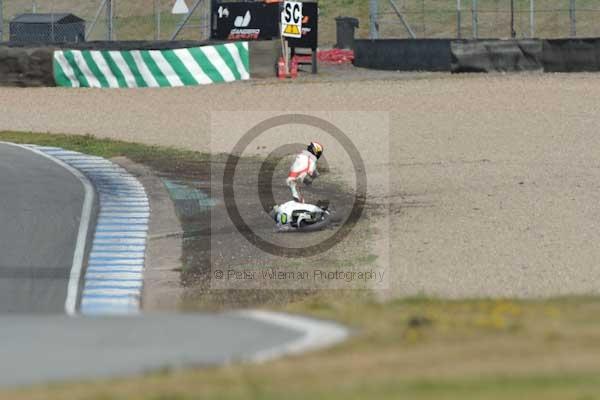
{"type": "Point", "coordinates": [304, 169]}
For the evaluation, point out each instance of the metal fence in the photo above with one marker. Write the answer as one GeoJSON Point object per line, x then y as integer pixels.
{"type": "Point", "coordinates": [484, 18]}
{"type": "Point", "coordinates": [152, 19]}
{"type": "Point", "coordinates": [119, 19]}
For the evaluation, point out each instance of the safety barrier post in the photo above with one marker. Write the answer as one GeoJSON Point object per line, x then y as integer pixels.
{"type": "Point", "coordinates": [572, 18]}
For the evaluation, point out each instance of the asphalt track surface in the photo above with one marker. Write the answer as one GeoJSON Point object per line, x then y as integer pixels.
{"type": "Point", "coordinates": [41, 203]}
{"type": "Point", "coordinates": [40, 209]}
{"type": "Point", "coordinates": [50, 348]}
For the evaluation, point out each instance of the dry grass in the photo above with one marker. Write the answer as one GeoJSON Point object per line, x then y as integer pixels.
{"type": "Point", "coordinates": [415, 348]}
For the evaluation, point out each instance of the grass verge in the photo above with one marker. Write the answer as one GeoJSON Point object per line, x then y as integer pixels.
{"type": "Point", "coordinates": [413, 349]}
{"type": "Point", "coordinates": [165, 159]}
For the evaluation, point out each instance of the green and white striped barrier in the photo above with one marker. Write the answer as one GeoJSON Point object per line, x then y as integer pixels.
{"type": "Point", "coordinates": [152, 68]}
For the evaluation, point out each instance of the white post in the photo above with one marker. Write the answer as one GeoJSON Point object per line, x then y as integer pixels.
{"type": "Point", "coordinates": [1, 22]}
{"type": "Point", "coordinates": [109, 19]}
{"type": "Point", "coordinates": [475, 19]}
{"type": "Point", "coordinates": [532, 18]}
{"type": "Point", "coordinates": [458, 22]}
{"type": "Point", "coordinates": [157, 22]}
{"type": "Point", "coordinates": [373, 15]}
{"type": "Point", "coordinates": [573, 30]}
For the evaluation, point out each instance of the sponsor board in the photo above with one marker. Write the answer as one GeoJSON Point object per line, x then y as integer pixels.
{"type": "Point", "coordinates": [245, 21]}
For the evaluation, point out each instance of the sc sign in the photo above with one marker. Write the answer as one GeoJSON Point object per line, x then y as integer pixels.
{"type": "Point", "coordinates": [291, 19]}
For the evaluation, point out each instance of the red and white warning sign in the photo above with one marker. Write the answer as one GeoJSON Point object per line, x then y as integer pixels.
{"type": "Point", "coordinates": [291, 19]}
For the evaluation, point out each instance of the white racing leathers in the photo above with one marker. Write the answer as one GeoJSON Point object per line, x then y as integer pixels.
{"type": "Point", "coordinates": [304, 168]}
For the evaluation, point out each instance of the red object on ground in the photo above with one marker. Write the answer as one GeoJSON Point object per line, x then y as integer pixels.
{"type": "Point", "coordinates": [336, 56]}
{"type": "Point", "coordinates": [294, 67]}
{"type": "Point", "coordinates": [281, 72]}
{"type": "Point", "coordinates": [332, 56]}
{"type": "Point", "coordinates": [292, 73]}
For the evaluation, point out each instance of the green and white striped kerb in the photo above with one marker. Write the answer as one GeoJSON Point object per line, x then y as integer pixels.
{"type": "Point", "coordinates": [152, 68]}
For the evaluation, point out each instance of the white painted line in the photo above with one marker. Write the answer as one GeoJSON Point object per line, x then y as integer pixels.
{"type": "Point", "coordinates": [116, 261]}
{"type": "Point", "coordinates": [136, 206]}
{"type": "Point", "coordinates": [122, 196]}
{"type": "Point", "coordinates": [76, 162]}
{"type": "Point", "coordinates": [139, 255]}
{"type": "Point", "coordinates": [119, 186]}
{"type": "Point", "coordinates": [120, 241]}
{"type": "Point", "coordinates": [115, 220]}
{"type": "Point", "coordinates": [115, 275]}
{"type": "Point", "coordinates": [91, 283]}
{"type": "Point", "coordinates": [123, 179]}
{"type": "Point", "coordinates": [84, 225]}
{"type": "Point", "coordinates": [116, 267]}
{"type": "Point", "coordinates": [315, 334]}
{"type": "Point", "coordinates": [52, 150]}
{"type": "Point", "coordinates": [104, 192]}
{"type": "Point", "coordinates": [122, 247]}
{"type": "Point", "coordinates": [132, 214]}
{"type": "Point", "coordinates": [125, 202]}
{"type": "Point", "coordinates": [135, 269]}
{"type": "Point", "coordinates": [127, 301]}
{"type": "Point", "coordinates": [74, 156]}
{"type": "Point", "coordinates": [117, 291]}
{"type": "Point", "coordinates": [112, 190]}
{"type": "Point", "coordinates": [128, 235]}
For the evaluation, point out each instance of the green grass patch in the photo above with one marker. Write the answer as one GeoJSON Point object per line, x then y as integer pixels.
{"type": "Point", "coordinates": [165, 159]}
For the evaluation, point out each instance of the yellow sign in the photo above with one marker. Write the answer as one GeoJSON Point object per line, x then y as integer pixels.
{"type": "Point", "coordinates": [292, 30]}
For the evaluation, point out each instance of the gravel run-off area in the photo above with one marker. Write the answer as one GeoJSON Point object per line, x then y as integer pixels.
{"type": "Point", "coordinates": [492, 181]}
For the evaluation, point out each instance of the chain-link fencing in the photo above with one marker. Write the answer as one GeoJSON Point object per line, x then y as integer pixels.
{"type": "Point", "coordinates": [485, 18]}
{"type": "Point", "coordinates": [119, 19]}
{"type": "Point", "coordinates": [152, 19]}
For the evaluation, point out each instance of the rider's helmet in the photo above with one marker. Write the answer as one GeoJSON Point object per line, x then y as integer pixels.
{"type": "Point", "coordinates": [315, 148]}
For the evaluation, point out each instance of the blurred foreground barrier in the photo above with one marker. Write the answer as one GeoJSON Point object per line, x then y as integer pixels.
{"type": "Point", "coordinates": [485, 55]}
{"type": "Point", "coordinates": [152, 68]}
{"type": "Point", "coordinates": [496, 55]}
{"type": "Point", "coordinates": [403, 54]}
{"type": "Point", "coordinates": [571, 55]}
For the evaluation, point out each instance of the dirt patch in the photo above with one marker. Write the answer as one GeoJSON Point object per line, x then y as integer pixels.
{"type": "Point", "coordinates": [211, 241]}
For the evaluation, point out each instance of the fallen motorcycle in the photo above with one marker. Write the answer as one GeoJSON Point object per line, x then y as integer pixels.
{"type": "Point", "coordinates": [295, 216]}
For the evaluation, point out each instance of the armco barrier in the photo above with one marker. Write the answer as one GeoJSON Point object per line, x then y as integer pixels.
{"type": "Point", "coordinates": [571, 55]}
{"type": "Point", "coordinates": [403, 54]}
{"type": "Point", "coordinates": [32, 64]}
{"type": "Point", "coordinates": [496, 55]}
